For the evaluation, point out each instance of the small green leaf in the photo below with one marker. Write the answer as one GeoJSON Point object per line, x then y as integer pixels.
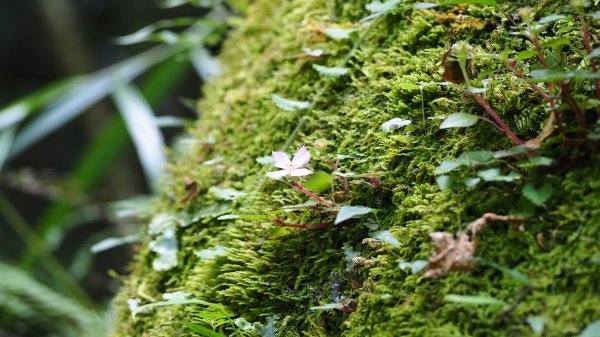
{"type": "Point", "coordinates": [594, 53]}
{"type": "Point", "coordinates": [519, 149]}
{"type": "Point", "coordinates": [288, 104]}
{"type": "Point", "coordinates": [537, 324]}
{"type": "Point", "coordinates": [551, 18]}
{"type": "Point", "coordinates": [329, 306]}
{"type": "Point", "coordinates": [459, 120]}
{"type": "Point", "coordinates": [227, 193]}
{"type": "Point", "coordinates": [494, 174]}
{"type": "Point", "coordinates": [492, 3]}
{"type": "Point", "coordinates": [557, 42]}
{"type": "Point", "coordinates": [349, 212]}
{"type": "Point", "coordinates": [474, 300]}
{"type": "Point", "coordinates": [411, 86]}
{"type": "Point", "coordinates": [313, 52]}
{"type": "Point", "coordinates": [415, 266]}
{"type": "Point", "coordinates": [211, 253]}
{"type": "Point", "coordinates": [447, 166]}
{"type": "Point", "coordinates": [553, 75]}
{"type": "Point", "coordinates": [377, 7]}
{"type": "Point", "coordinates": [472, 158]}
{"type": "Point", "coordinates": [177, 298]}
{"type": "Point", "coordinates": [445, 182]}
{"type": "Point", "coordinates": [536, 161]}
{"type": "Point", "coordinates": [526, 54]}
{"type": "Point", "coordinates": [523, 208]}
{"type": "Point", "coordinates": [515, 274]}
{"type": "Point", "coordinates": [470, 182]}
{"type": "Point", "coordinates": [318, 182]}
{"type": "Point", "coordinates": [202, 330]}
{"type": "Point", "coordinates": [339, 33]}
{"type": "Point", "coordinates": [538, 195]}
{"type": "Point", "coordinates": [211, 211]}
{"type": "Point", "coordinates": [425, 5]}
{"type": "Point", "coordinates": [592, 330]}
{"type": "Point", "coordinates": [330, 72]}
{"type": "Point", "coordinates": [385, 236]}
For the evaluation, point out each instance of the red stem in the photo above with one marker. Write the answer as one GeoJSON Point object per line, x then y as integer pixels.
{"type": "Point", "coordinates": [579, 116]}
{"type": "Point", "coordinates": [498, 120]}
{"type": "Point", "coordinates": [537, 89]}
{"type": "Point", "coordinates": [585, 31]}
{"type": "Point", "coordinates": [540, 54]}
{"type": "Point", "coordinates": [300, 188]}
{"type": "Point", "coordinates": [375, 182]}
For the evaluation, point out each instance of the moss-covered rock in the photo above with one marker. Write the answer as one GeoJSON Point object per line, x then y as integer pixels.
{"type": "Point", "coordinates": [277, 274]}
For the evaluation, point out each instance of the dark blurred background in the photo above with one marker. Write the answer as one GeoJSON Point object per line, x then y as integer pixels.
{"type": "Point", "coordinates": [43, 41]}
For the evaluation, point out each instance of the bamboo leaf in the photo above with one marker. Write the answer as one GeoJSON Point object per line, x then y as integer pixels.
{"type": "Point", "coordinates": [142, 127]}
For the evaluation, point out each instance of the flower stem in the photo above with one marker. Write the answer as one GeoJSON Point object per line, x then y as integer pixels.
{"type": "Point", "coordinates": [320, 200]}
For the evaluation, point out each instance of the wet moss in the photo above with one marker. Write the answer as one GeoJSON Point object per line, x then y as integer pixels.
{"type": "Point", "coordinates": [275, 271]}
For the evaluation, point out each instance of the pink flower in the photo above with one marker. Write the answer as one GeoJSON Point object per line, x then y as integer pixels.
{"type": "Point", "coordinates": [290, 167]}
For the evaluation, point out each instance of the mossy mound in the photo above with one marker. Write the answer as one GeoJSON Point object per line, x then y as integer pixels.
{"type": "Point", "coordinates": [276, 273]}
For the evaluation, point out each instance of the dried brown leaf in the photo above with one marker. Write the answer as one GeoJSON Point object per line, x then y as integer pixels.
{"type": "Point", "coordinates": [457, 253]}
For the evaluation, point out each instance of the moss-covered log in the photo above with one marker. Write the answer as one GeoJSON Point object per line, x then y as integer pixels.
{"type": "Point", "coordinates": [545, 267]}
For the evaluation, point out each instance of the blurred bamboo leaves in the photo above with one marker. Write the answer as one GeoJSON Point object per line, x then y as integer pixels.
{"type": "Point", "coordinates": [29, 120]}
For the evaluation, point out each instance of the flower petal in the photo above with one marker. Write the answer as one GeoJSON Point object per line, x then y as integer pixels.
{"type": "Point", "coordinates": [300, 172]}
{"type": "Point", "coordinates": [278, 174]}
{"type": "Point", "coordinates": [301, 158]}
{"type": "Point", "coordinates": [282, 160]}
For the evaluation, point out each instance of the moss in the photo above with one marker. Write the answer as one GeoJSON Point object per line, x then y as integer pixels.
{"type": "Point", "coordinates": [274, 271]}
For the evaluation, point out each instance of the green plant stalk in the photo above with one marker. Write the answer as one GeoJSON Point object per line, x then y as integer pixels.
{"type": "Point", "coordinates": [51, 264]}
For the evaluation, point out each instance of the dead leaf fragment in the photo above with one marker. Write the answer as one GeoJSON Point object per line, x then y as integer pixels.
{"type": "Point", "coordinates": [457, 253]}
{"type": "Point", "coordinates": [191, 189]}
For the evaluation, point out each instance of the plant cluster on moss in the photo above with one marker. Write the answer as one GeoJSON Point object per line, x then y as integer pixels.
{"type": "Point", "coordinates": [362, 277]}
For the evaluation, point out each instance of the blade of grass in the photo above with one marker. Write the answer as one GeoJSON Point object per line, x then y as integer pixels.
{"type": "Point", "coordinates": [104, 150]}
{"type": "Point", "coordinates": [50, 263]}
{"type": "Point", "coordinates": [144, 131]}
